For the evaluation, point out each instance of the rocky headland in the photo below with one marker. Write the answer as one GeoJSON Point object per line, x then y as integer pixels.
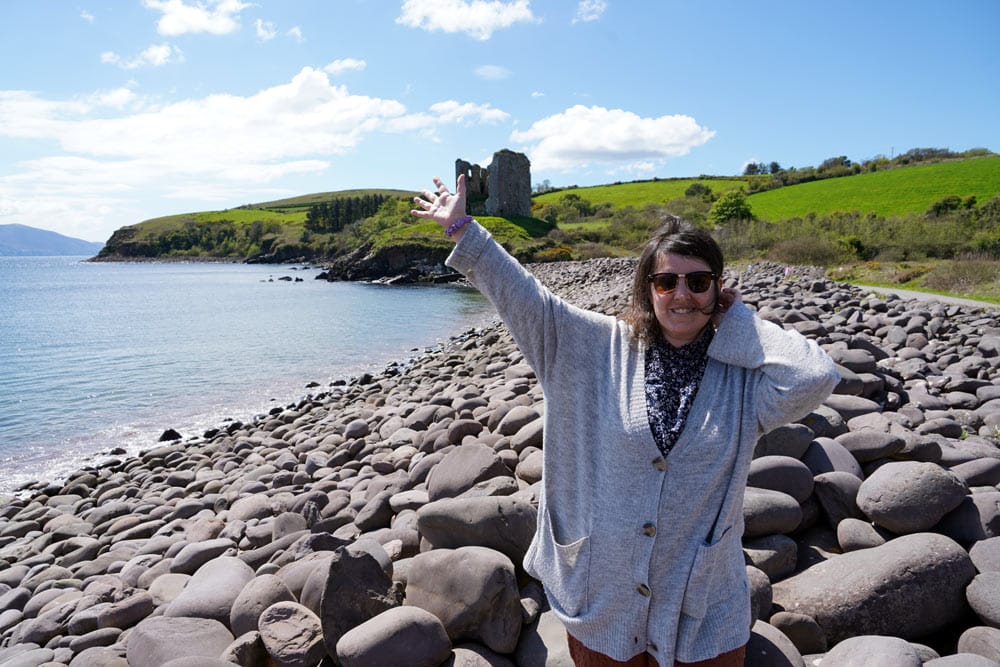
{"type": "Point", "coordinates": [383, 520]}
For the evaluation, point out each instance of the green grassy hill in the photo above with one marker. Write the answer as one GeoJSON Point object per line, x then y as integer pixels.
{"type": "Point", "coordinates": [640, 193]}
{"type": "Point", "coordinates": [886, 193]}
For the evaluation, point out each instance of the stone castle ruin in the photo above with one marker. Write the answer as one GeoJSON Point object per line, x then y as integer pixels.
{"type": "Point", "coordinates": [504, 188]}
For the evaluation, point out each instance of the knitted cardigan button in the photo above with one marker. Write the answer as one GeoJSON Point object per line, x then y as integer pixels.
{"type": "Point", "coordinates": [660, 463]}
{"type": "Point", "coordinates": [649, 530]}
{"type": "Point", "coordinates": [644, 590]}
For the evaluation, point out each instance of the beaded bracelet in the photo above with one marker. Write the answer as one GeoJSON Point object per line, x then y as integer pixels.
{"type": "Point", "coordinates": [458, 224]}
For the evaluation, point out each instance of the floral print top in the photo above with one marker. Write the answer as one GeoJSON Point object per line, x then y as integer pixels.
{"type": "Point", "coordinates": [672, 378]}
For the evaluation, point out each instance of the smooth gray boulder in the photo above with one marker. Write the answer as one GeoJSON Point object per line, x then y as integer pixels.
{"type": "Point", "coordinates": [354, 589]}
{"type": "Point", "coordinates": [781, 473]}
{"type": "Point", "coordinates": [910, 496]}
{"type": "Point", "coordinates": [981, 640]}
{"type": "Point", "coordinates": [767, 512]}
{"type": "Point", "coordinates": [397, 636]}
{"type": "Point", "coordinates": [159, 639]}
{"type": "Point", "coordinates": [292, 635]}
{"type": "Point", "coordinates": [984, 597]}
{"type": "Point", "coordinates": [503, 523]}
{"type": "Point", "coordinates": [473, 590]}
{"type": "Point", "coordinates": [854, 534]}
{"type": "Point", "coordinates": [828, 455]}
{"type": "Point", "coordinates": [462, 468]}
{"type": "Point", "coordinates": [775, 555]}
{"type": "Point", "coordinates": [873, 650]}
{"type": "Point", "coordinates": [769, 647]}
{"type": "Point", "coordinates": [908, 587]}
{"type": "Point", "coordinates": [259, 594]}
{"type": "Point", "coordinates": [803, 630]}
{"type": "Point", "coordinates": [976, 518]}
{"type": "Point", "coordinates": [868, 444]}
{"type": "Point", "coordinates": [986, 554]}
{"type": "Point", "coordinates": [788, 440]}
{"type": "Point", "coordinates": [837, 493]}
{"type": "Point", "coordinates": [212, 590]}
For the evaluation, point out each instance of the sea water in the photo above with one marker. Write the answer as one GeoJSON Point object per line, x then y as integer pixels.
{"type": "Point", "coordinates": [98, 356]}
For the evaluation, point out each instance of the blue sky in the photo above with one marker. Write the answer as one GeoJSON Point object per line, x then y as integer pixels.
{"type": "Point", "coordinates": [113, 112]}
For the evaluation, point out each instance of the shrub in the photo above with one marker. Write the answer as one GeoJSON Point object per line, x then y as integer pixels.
{"type": "Point", "coordinates": [963, 275]}
{"type": "Point", "coordinates": [559, 253]}
{"type": "Point", "coordinates": [811, 250]}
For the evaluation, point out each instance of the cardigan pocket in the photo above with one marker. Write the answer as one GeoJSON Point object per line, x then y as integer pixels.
{"type": "Point", "coordinates": [567, 572]}
{"type": "Point", "coordinates": [711, 573]}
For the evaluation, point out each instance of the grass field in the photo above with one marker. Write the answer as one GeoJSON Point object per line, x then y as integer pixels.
{"type": "Point", "coordinates": [886, 193]}
{"type": "Point", "coordinates": [640, 193]}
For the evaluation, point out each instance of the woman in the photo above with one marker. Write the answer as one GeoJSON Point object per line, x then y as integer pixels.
{"type": "Point", "coordinates": [650, 426]}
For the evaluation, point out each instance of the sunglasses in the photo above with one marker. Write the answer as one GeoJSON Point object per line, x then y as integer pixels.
{"type": "Point", "coordinates": [696, 281]}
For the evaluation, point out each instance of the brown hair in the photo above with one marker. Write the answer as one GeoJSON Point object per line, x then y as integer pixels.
{"type": "Point", "coordinates": [677, 237]}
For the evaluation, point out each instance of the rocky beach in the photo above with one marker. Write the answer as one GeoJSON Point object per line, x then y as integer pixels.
{"type": "Point", "coordinates": [382, 520]}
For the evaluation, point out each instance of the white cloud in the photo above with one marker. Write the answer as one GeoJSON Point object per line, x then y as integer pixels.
{"type": "Point", "coordinates": [295, 32]}
{"type": "Point", "coordinates": [589, 10]}
{"type": "Point", "coordinates": [117, 152]}
{"type": "Point", "coordinates": [583, 136]}
{"type": "Point", "coordinates": [338, 67]}
{"type": "Point", "coordinates": [477, 18]}
{"type": "Point", "coordinates": [536, 94]}
{"type": "Point", "coordinates": [154, 55]}
{"type": "Point", "coordinates": [218, 17]}
{"type": "Point", "coordinates": [265, 30]}
{"type": "Point", "coordinates": [492, 72]}
{"type": "Point", "coordinates": [449, 112]}
{"type": "Point", "coordinates": [86, 16]}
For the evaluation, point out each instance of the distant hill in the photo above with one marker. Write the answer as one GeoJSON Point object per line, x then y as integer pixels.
{"type": "Point", "coordinates": [23, 241]}
{"type": "Point", "coordinates": [893, 192]}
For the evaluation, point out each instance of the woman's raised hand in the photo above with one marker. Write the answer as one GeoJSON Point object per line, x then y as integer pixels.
{"type": "Point", "coordinates": [442, 206]}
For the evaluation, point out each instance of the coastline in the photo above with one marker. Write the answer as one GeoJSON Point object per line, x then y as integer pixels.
{"type": "Point", "coordinates": [397, 473]}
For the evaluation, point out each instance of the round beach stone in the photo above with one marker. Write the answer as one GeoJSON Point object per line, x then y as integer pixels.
{"type": "Point", "coordinates": [260, 593]}
{"type": "Point", "coordinates": [849, 407]}
{"type": "Point", "coordinates": [854, 534]}
{"type": "Point", "coordinates": [803, 630]}
{"type": "Point", "coordinates": [462, 468]}
{"type": "Point", "coordinates": [787, 440]}
{"type": "Point", "coordinates": [503, 523]}
{"type": "Point", "coordinates": [910, 496]}
{"type": "Point", "coordinates": [981, 640]}
{"type": "Point", "coordinates": [985, 554]}
{"type": "Point", "coordinates": [399, 636]}
{"type": "Point", "coordinates": [984, 597]}
{"type": "Point", "coordinates": [828, 455]}
{"type": "Point", "coordinates": [976, 518]}
{"type": "Point", "coordinates": [873, 650]}
{"type": "Point", "coordinates": [781, 473]}
{"type": "Point", "coordinates": [837, 494]}
{"type": "Point", "coordinates": [770, 647]}
{"type": "Point", "coordinates": [978, 472]}
{"type": "Point", "coordinates": [909, 587]}
{"type": "Point", "coordinates": [868, 444]}
{"type": "Point", "coordinates": [760, 593]}
{"type": "Point", "coordinates": [292, 635]}
{"type": "Point", "coordinates": [767, 512]}
{"type": "Point", "coordinates": [774, 555]}
{"type": "Point", "coordinates": [473, 590]}
{"type": "Point", "coordinates": [159, 639]}
{"type": "Point", "coordinates": [961, 660]}
{"type": "Point", "coordinates": [212, 590]}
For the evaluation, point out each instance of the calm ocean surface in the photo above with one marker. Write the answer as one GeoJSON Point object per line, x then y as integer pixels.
{"type": "Point", "coordinates": [96, 356]}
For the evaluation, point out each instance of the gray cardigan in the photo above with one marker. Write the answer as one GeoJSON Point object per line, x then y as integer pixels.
{"type": "Point", "coordinates": [637, 552]}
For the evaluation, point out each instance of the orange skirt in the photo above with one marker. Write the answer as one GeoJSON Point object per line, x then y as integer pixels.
{"type": "Point", "coordinates": [585, 657]}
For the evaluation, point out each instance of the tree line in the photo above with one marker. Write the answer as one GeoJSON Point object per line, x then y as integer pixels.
{"type": "Point", "coordinates": [333, 216]}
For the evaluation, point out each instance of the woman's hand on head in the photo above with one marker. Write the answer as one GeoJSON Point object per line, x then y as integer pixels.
{"type": "Point", "coordinates": [727, 297]}
{"type": "Point", "coordinates": [442, 206]}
